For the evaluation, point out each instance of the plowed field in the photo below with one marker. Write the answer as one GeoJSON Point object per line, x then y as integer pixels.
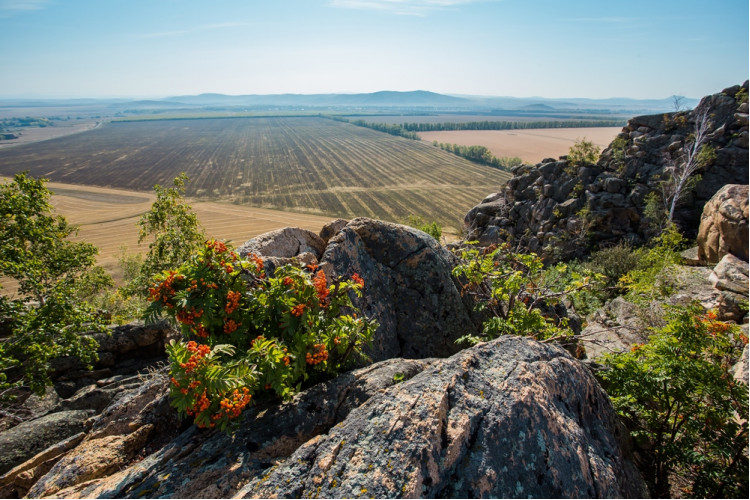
{"type": "Point", "coordinates": [307, 165]}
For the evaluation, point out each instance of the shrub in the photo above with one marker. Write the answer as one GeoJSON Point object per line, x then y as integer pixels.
{"type": "Point", "coordinates": [431, 228]}
{"type": "Point", "coordinates": [652, 277]}
{"type": "Point", "coordinates": [514, 291]}
{"type": "Point", "coordinates": [613, 263]}
{"type": "Point", "coordinates": [684, 408]}
{"type": "Point", "coordinates": [583, 152]}
{"type": "Point", "coordinates": [248, 333]}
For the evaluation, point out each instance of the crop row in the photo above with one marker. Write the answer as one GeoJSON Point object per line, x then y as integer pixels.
{"type": "Point", "coordinates": [300, 164]}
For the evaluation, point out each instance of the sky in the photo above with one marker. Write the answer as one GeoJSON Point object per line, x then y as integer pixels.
{"type": "Point", "coordinates": [521, 48]}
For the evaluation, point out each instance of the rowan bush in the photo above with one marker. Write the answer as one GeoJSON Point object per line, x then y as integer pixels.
{"type": "Point", "coordinates": [246, 333]}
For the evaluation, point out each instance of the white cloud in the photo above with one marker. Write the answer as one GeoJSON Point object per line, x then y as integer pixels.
{"type": "Point", "coordinates": [403, 7]}
{"type": "Point", "coordinates": [22, 5]}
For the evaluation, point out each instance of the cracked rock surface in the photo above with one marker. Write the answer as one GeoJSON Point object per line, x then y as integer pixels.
{"type": "Point", "coordinates": [510, 418]}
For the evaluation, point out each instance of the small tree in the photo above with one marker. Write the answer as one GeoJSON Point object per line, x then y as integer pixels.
{"type": "Point", "coordinates": [686, 411]}
{"type": "Point", "coordinates": [55, 276]}
{"type": "Point", "coordinates": [175, 231]}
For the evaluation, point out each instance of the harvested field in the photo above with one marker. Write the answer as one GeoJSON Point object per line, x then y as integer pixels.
{"type": "Point", "coordinates": [108, 218]}
{"type": "Point", "coordinates": [306, 165]}
{"type": "Point", "coordinates": [531, 145]}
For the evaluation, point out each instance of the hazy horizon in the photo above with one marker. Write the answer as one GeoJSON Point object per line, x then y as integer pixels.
{"type": "Point", "coordinates": [153, 49]}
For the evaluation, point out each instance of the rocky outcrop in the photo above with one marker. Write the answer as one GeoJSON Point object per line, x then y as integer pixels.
{"type": "Point", "coordinates": [508, 418]}
{"type": "Point", "coordinates": [408, 284]}
{"type": "Point", "coordinates": [561, 211]}
{"type": "Point", "coordinates": [29, 438]}
{"type": "Point", "coordinates": [724, 224]}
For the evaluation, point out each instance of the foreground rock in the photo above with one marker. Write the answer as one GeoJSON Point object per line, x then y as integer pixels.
{"type": "Point", "coordinates": [509, 418]}
{"type": "Point", "coordinates": [409, 288]}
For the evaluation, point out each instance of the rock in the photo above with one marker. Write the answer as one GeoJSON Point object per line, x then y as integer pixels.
{"type": "Point", "coordinates": [409, 288]}
{"type": "Point", "coordinates": [211, 464]}
{"type": "Point", "coordinates": [740, 369]}
{"type": "Point", "coordinates": [29, 438]}
{"type": "Point", "coordinates": [614, 328]}
{"type": "Point", "coordinates": [614, 191]}
{"type": "Point", "coordinates": [286, 242]}
{"type": "Point", "coordinates": [690, 257]}
{"type": "Point", "coordinates": [510, 418]}
{"type": "Point", "coordinates": [329, 230]}
{"type": "Point", "coordinates": [724, 224]}
{"type": "Point", "coordinates": [730, 274]}
{"type": "Point", "coordinates": [16, 482]}
{"type": "Point", "coordinates": [139, 421]}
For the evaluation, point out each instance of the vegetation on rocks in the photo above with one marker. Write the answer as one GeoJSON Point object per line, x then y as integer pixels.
{"type": "Point", "coordinates": [246, 332]}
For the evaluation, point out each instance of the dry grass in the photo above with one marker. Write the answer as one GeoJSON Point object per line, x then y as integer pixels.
{"type": "Point", "coordinates": [531, 145]}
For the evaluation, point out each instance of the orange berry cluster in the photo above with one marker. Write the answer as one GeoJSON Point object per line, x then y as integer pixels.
{"type": "Point", "coordinates": [231, 326]}
{"type": "Point", "coordinates": [321, 287]}
{"type": "Point", "coordinates": [233, 301]}
{"type": "Point", "coordinates": [216, 246]}
{"type": "Point", "coordinates": [287, 281]}
{"type": "Point", "coordinates": [188, 317]}
{"type": "Point", "coordinates": [257, 261]}
{"type": "Point", "coordinates": [298, 310]}
{"type": "Point", "coordinates": [320, 355]}
{"type": "Point", "coordinates": [358, 280]}
{"type": "Point", "coordinates": [195, 283]}
{"type": "Point", "coordinates": [164, 291]}
{"type": "Point", "coordinates": [232, 407]}
{"type": "Point", "coordinates": [202, 404]}
{"type": "Point", "coordinates": [199, 352]}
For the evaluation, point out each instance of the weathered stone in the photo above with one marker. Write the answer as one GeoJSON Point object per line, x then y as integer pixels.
{"type": "Point", "coordinates": [121, 432]}
{"type": "Point", "coordinates": [509, 418]}
{"type": "Point", "coordinates": [724, 224]}
{"type": "Point", "coordinates": [29, 438]}
{"type": "Point", "coordinates": [211, 464]}
{"type": "Point", "coordinates": [329, 230]}
{"type": "Point", "coordinates": [408, 287]}
{"type": "Point", "coordinates": [730, 274]}
{"type": "Point", "coordinates": [286, 242]}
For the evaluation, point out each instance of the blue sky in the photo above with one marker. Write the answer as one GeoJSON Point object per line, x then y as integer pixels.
{"type": "Point", "coordinates": [548, 48]}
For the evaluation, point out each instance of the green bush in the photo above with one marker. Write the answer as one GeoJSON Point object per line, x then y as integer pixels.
{"type": "Point", "coordinates": [613, 263]}
{"type": "Point", "coordinates": [513, 290]}
{"type": "Point", "coordinates": [686, 411]}
{"type": "Point", "coordinates": [431, 228]}
{"type": "Point", "coordinates": [247, 333]}
{"type": "Point", "coordinates": [583, 152]}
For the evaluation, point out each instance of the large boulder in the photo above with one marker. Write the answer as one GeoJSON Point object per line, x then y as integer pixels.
{"type": "Point", "coordinates": [409, 288]}
{"type": "Point", "coordinates": [724, 224]}
{"type": "Point", "coordinates": [508, 418]}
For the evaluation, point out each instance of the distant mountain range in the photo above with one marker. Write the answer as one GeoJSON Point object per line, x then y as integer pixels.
{"type": "Point", "coordinates": [414, 101]}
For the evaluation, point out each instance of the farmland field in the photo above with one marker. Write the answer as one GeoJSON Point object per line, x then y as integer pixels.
{"type": "Point", "coordinates": [108, 219]}
{"type": "Point", "coordinates": [307, 165]}
{"type": "Point", "coordinates": [531, 145]}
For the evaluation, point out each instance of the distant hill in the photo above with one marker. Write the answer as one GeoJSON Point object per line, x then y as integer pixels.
{"type": "Point", "coordinates": [417, 98]}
